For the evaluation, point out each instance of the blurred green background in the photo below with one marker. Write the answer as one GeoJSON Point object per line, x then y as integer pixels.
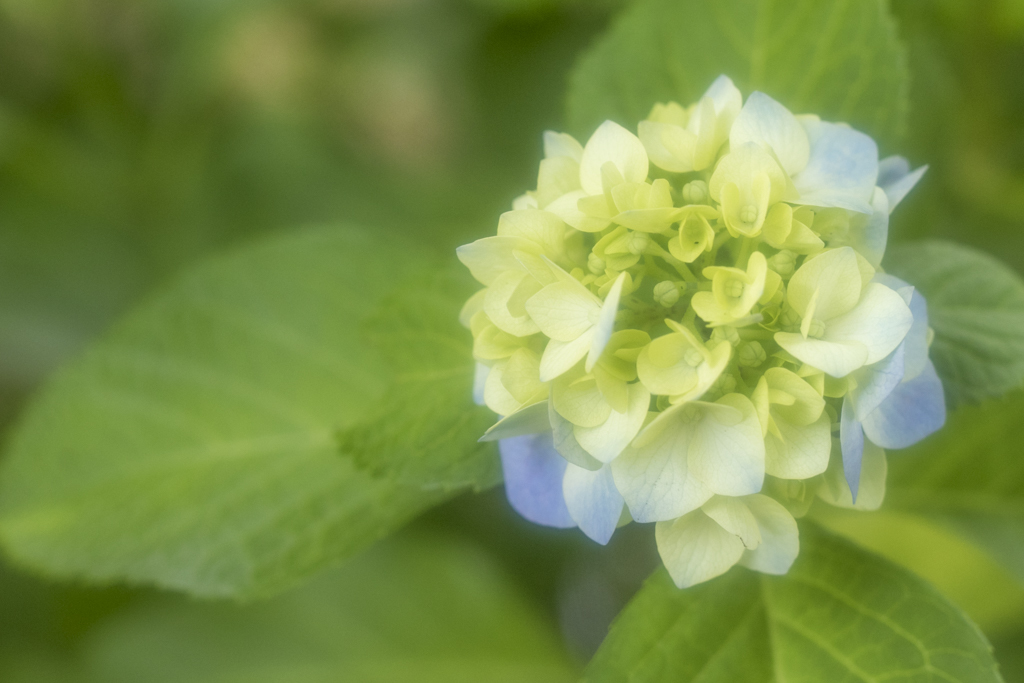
{"type": "Point", "coordinates": [138, 135]}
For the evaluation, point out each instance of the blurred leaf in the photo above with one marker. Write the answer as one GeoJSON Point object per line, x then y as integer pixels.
{"type": "Point", "coordinates": [425, 430]}
{"type": "Point", "coordinates": [970, 475]}
{"type": "Point", "coordinates": [425, 610]}
{"type": "Point", "coordinates": [194, 447]}
{"type": "Point", "coordinates": [840, 614]}
{"type": "Point", "coordinates": [961, 570]}
{"type": "Point", "coordinates": [976, 307]}
{"type": "Point", "coordinates": [841, 60]}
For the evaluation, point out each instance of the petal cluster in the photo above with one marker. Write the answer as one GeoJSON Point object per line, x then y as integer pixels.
{"type": "Point", "coordinates": [690, 326]}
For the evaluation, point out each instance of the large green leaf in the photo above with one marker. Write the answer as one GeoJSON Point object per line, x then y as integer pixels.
{"type": "Point", "coordinates": [423, 609]}
{"type": "Point", "coordinates": [976, 307]}
{"type": "Point", "coordinates": [195, 447]}
{"type": "Point", "coordinates": [840, 59]}
{"type": "Point", "coordinates": [841, 614]}
{"type": "Point", "coordinates": [971, 477]}
{"type": "Point", "coordinates": [425, 429]}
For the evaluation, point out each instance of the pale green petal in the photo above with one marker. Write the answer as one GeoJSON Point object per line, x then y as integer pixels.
{"type": "Point", "coordinates": [560, 357]}
{"type": "Point", "coordinates": [564, 310]}
{"type": "Point", "coordinates": [567, 208]}
{"type": "Point", "coordinates": [836, 277]}
{"type": "Point", "coordinates": [806, 405]}
{"type": "Point", "coordinates": [556, 177]}
{"type": "Point", "coordinates": [543, 228]}
{"type": "Point", "coordinates": [735, 517]}
{"type": "Point", "coordinates": [802, 452]}
{"type": "Point", "coordinates": [741, 165]}
{"type": "Point", "coordinates": [880, 322]}
{"type": "Point", "coordinates": [580, 401]}
{"type": "Point", "coordinates": [766, 122]}
{"type": "Point", "coordinates": [727, 451]}
{"type": "Point", "coordinates": [835, 490]}
{"type": "Point", "coordinates": [531, 419]}
{"type": "Point", "coordinates": [496, 396]}
{"type": "Point", "coordinates": [612, 143]}
{"type": "Point", "coordinates": [608, 440]}
{"type": "Point", "coordinates": [669, 146]}
{"type": "Point", "coordinates": [663, 368]}
{"type": "Point", "coordinates": [780, 538]}
{"type": "Point", "coordinates": [561, 145]}
{"type": "Point", "coordinates": [709, 372]}
{"type": "Point", "coordinates": [837, 359]}
{"type": "Point", "coordinates": [605, 323]}
{"type": "Point", "coordinates": [472, 306]}
{"type": "Point", "coordinates": [695, 549]}
{"type": "Point", "coordinates": [489, 257]}
{"type": "Point", "coordinates": [505, 302]}
{"type": "Point", "coordinates": [652, 473]}
{"type": "Point", "coordinates": [521, 377]}
{"type": "Point", "coordinates": [565, 441]}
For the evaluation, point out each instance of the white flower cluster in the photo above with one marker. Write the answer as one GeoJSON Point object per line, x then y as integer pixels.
{"type": "Point", "coordinates": [689, 326]}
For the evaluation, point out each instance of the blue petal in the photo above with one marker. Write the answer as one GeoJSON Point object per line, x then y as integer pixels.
{"type": "Point", "coordinates": [913, 410]}
{"type": "Point", "coordinates": [593, 501]}
{"type": "Point", "coordinates": [533, 479]}
{"type": "Point", "coordinates": [875, 382]}
{"type": "Point", "coordinates": [916, 342]}
{"type": "Point", "coordinates": [851, 438]}
{"type": "Point", "coordinates": [842, 168]}
{"type": "Point", "coordinates": [896, 179]}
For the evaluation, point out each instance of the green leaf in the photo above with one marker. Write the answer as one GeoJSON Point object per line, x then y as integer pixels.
{"type": "Point", "coordinates": [841, 614]}
{"type": "Point", "coordinates": [970, 476]}
{"type": "Point", "coordinates": [427, 610]}
{"type": "Point", "coordinates": [195, 446]}
{"type": "Point", "coordinates": [976, 307]}
{"type": "Point", "coordinates": [835, 58]}
{"type": "Point", "coordinates": [425, 430]}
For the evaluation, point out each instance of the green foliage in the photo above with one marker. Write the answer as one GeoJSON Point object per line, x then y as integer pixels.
{"type": "Point", "coordinates": [840, 614]}
{"type": "Point", "coordinates": [976, 307]}
{"type": "Point", "coordinates": [970, 476]}
{"type": "Point", "coordinates": [194, 447]}
{"type": "Point", "coordinates": [425, 430]}
{"type": "Point", "coordinates": [426, 609]}
{"type": "Point", "coordinates": [841, 60]}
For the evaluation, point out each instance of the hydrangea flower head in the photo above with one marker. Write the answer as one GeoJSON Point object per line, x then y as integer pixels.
{"type": "Point", "coordinates": [690, 326]}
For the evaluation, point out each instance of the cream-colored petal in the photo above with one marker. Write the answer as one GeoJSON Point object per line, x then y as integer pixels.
{"type": "Point", "coordinates": [561, 357]}
{"type": "Point", "coordinates": [727, 450]}
{"type": "Point", "coordinates": [780, 537]}
{"type": "Point", "coordinates": [735, 517]}
{"type": "Point", "coordinates": [608, 440]}
{"type": "Point", "coordinates": [695, 548]}
{"type": "Point", "coordinates": [802, 452]}
{"type": "Point", "coordinates": [612, 143]}
{"type": "Point", "coordinates": [766, 122]}
{"type": "Point", "coordinates": [880, 321]}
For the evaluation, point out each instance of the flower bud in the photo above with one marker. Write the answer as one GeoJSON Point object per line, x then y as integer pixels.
{"type": "Point", "coordinates": [666, 293]}
{"type": "Point", "coordinates": [783, 263]}
{"type": "Point", "coordinates": [596, 264]}
{"type": "Point", "coordinates": [638, 243]}
{"type": "Point", "coordinates": [695, 192]}
{"type": "Point", "coordinates": [751, 355]}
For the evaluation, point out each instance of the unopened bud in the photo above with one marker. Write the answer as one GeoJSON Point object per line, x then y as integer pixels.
{"type": "Point", "coordinates": [638, 243]}
{"type": "Point", "coordinates": [751, 355]}
{"type": "Point", "coordinates": [596, 264]}
{"type": "Point", "coordinates": [666, 293]}
{"type": "Point", "coordinates": [783, 263]}
{"type": "Point", "coordinates": [695, 192]}
{"type": "Point", "coordinates": [726, 333]}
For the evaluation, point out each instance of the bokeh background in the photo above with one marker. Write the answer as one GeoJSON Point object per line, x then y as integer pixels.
{"type": "Point", "coordinates": [139, 135]}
